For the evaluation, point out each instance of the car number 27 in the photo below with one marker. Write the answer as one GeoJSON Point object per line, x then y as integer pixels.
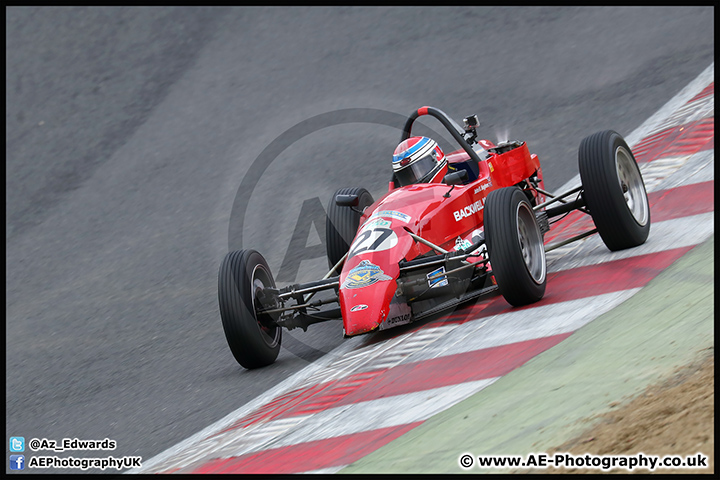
{"type": "Point", "coordinates": [373, 240]}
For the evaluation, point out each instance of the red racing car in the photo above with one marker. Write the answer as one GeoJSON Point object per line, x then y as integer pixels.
{"type": "Point", "coordinates": [474, 226]}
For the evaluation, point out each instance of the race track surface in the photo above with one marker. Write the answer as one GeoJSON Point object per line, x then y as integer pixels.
{"type": "Point", "coordinates": [129, 131]}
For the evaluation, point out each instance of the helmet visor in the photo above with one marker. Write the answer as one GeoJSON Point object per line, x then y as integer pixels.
{"type": "Point", "coordinates": [416, 171]}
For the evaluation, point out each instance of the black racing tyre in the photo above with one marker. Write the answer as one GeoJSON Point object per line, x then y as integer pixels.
{"type": "Point", "coordinates": [614, 190]}
{"type": "Point", "coordinates": [254, 342]}
{"type": "Point", "coordinates": [342, 223]}
{"type": "Point", "coordinates": [515, 246]}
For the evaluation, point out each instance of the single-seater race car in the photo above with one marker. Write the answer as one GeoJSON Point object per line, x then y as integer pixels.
{"type": "Point", "coordinates": [425, 248]}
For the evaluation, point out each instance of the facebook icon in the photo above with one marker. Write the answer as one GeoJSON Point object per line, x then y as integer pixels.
{"type": "Point", "coordinates": [17, 462]}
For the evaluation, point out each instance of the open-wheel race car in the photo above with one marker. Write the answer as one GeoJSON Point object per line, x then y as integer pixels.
{"type": "Point", "coordinates": [431, 244]}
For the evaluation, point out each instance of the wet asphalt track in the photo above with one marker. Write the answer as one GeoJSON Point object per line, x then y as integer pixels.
{"type": "Point", "coordinates": [130, 130]}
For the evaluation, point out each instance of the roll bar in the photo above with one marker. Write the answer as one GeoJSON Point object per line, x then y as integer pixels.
{"type": "Point", "coordinates": [455, 130]}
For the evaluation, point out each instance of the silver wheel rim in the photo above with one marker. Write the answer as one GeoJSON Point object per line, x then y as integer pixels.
{"type": "Point", "coordinates": [531, 243]}
{"type": "Point", "coordinates": [632, 185]}
{"type": "Point", "coordinates": [269, 334]}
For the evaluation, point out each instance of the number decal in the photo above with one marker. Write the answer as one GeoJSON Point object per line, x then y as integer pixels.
{"type": "Point", "coordinates": [364, 235]}
{"type": "Point", "coordinates": [373, 240]}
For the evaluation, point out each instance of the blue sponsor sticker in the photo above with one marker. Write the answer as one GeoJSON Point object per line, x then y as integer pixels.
{"type": "Point", "coordinates": [364, 274]}
{"type": "Point", "coordinates": [439, 280]}
{"type": "Point", "coordinates": [392, 214]}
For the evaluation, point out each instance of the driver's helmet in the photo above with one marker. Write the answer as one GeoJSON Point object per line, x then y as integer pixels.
{"type": "Point", "coordinates": [419, 160]}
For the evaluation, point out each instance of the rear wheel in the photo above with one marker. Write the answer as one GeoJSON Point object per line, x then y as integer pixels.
{"type": "Point", "coordinates": [342, 223]}
{"type": "Point", "coordinates": [253, 338]}
{"type": "Point", "coordinates": [515, 246]}
{"type": "Point", "coordinates": [614, 190]}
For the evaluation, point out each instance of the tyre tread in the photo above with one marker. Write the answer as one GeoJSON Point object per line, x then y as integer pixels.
{"type": "Point", "coordinates": [513, 280]}
{"type": "Point", "coordinates": [602, 192]}
{"type": "Point", "coordinates": [241, 330]}
{"type": "Point", "coordinates": [342, 223]}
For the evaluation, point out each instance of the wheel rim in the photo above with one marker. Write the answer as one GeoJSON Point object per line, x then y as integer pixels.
{"type": "Point", "coordinates": [261, 279]}
{"type": "Point", "coordinates": [632, 185]}
{"type": "Point", "coordinates": [531, 243]}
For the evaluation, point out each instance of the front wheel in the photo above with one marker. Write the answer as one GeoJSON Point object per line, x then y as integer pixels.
{"type": "Point", "coordinates": [253, 337]}
{"type": "Point", "coordinates": [515, 246]}
{"type": "Point", "coordinates": [614, 191]}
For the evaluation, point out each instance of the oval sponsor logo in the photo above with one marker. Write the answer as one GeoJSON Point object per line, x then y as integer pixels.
{"type": "Point", "coordinates": [357, 308]}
